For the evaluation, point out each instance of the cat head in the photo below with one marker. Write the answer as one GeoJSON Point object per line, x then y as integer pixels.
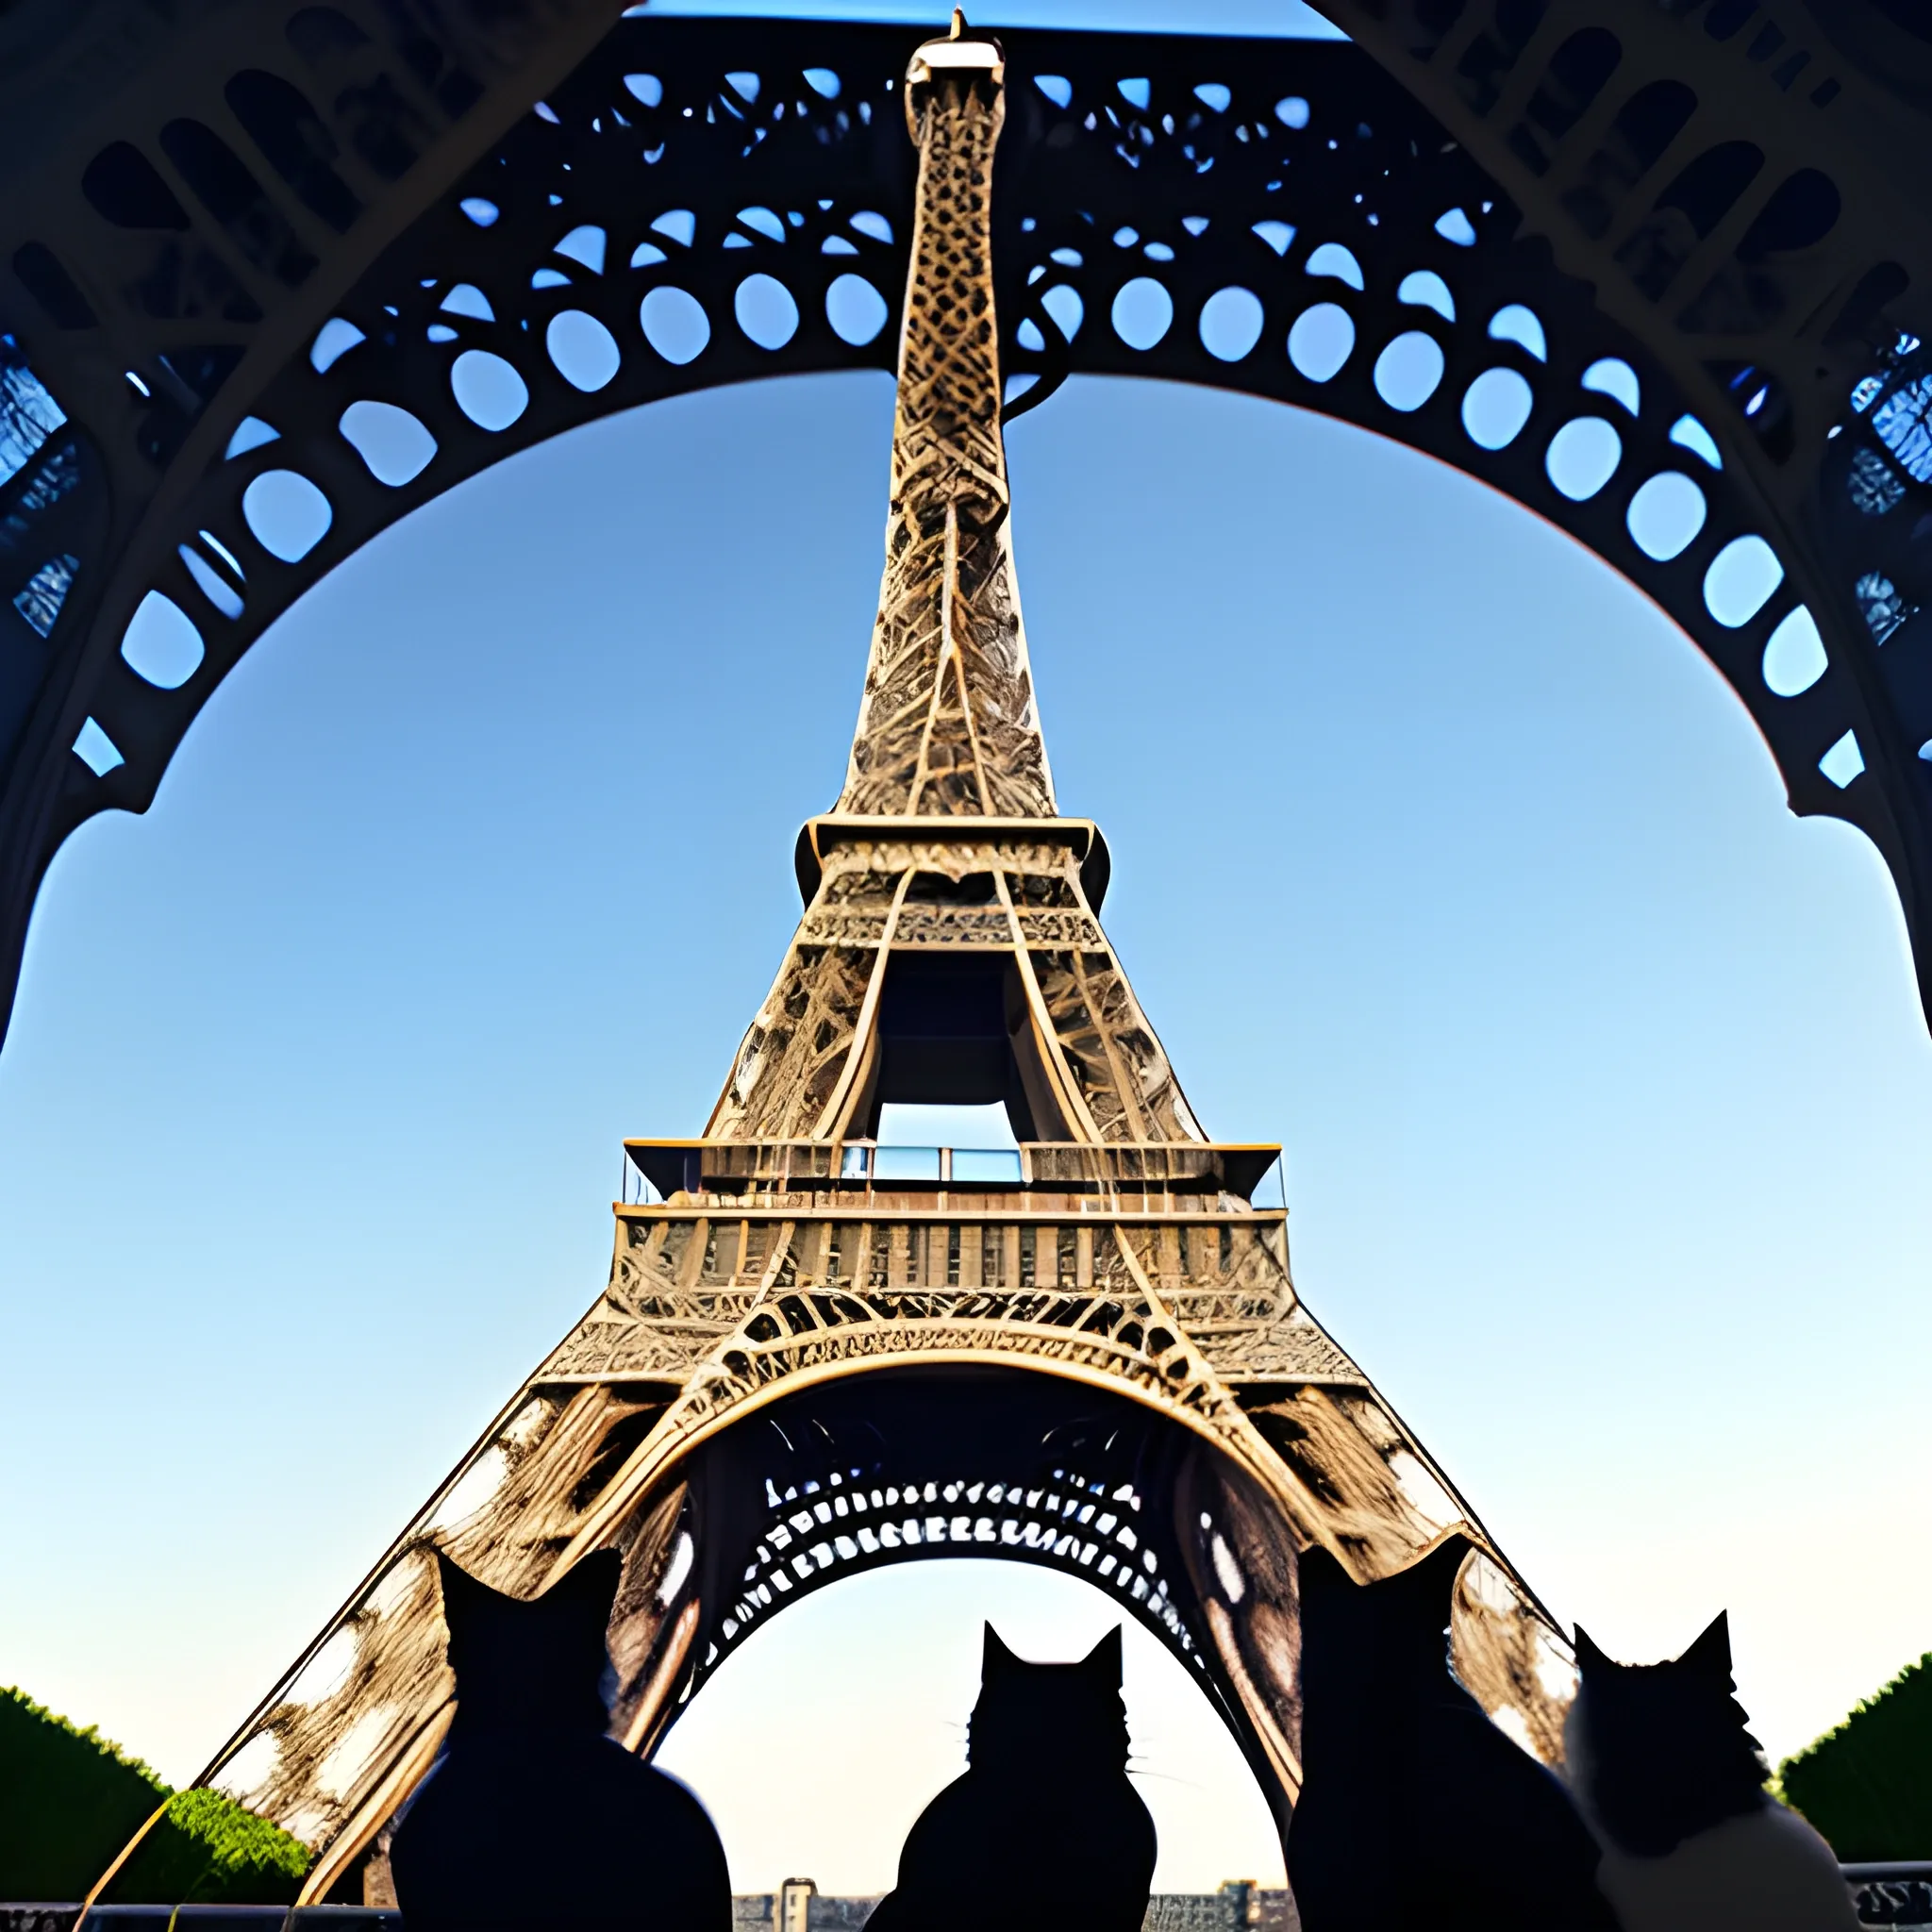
{"type": "Point", "coordinates": [1660, 1752]}
{"type": "Point", "coordinates": [1043, 1718]}
{"type": "Point", "coordinates": [1367, 1643]}
{"type": "Point", "coordinates": [534, 1664]}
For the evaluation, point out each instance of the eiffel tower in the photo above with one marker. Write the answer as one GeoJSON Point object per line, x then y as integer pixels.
{"type": "Point", "coordinates": [816, 1355]}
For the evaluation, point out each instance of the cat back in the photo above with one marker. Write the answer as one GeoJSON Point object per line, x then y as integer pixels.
{"type": "Point", "coordinates": [1415, 1806]}
{"type": "Point", "coordinates": [533, 1818]}
{"type": "Point", "coordinates": [1044, 1832]}
{"type": "Point", "coordinates": [1674, 1785]}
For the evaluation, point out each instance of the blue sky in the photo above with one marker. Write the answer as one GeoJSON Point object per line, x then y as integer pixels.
{"type": "Point", "coordinates": [1440, 855]}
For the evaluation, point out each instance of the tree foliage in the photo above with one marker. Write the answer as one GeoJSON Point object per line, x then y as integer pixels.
{"type": "Point", "coordinates": [1866, 1783]}
{"type": "Point", "coordinates": [72, 1800]}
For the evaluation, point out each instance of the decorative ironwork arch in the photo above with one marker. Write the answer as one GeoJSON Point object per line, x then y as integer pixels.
{"type": "Point", "coordinates": [842, 1479]}
{"type": "Point", "coordinates": [376, 269]}
{"type": "Point", "coordinates": [860, 1471]}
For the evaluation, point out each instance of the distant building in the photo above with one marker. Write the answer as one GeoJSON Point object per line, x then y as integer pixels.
{"type": "Point", "coordinates": [1273, 1911]}
{"type": "Point", "coordinates": [798, 1906]}
{"type": "Point", "coordinates": [1191, 1912]}
{"type": "Point", "coordinates": [791, 1909]}
{"type": "Point", "coordinates": [841, 1914]}
{"type": "Point", "coordinates": [1239, 1906]}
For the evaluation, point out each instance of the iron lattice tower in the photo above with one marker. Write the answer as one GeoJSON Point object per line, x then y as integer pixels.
{"type": "Point", "coordinates": [1089, 1353]}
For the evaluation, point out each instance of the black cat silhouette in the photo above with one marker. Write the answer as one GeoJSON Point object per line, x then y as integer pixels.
{"type": "Point", "coordinates": [1416, 1810]}
{"type": "Point", "coordinates": [1674, 1785]}
{"type": "Point", "coordinates": [532, 1817]}
{"type": "Point", "coordinates": [1044, 1833]}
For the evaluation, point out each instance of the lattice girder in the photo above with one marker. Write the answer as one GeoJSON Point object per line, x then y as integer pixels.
{"type": "Point", "coordinates": [947, 723]}
{"type": "Point", "coordinates": [615, 1443]}
{"type": "Point", "coordinates": [1739, 184]}
{"type": "Point", "coordinates": [1090, 1062]}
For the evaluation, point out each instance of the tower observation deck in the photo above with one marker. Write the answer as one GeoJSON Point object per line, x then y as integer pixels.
{"type": "Point", "coordinates": [1089, 1353]}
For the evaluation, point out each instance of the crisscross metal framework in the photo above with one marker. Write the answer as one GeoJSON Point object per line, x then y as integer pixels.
{"type": "Point", "coordinates": [1683, 238]}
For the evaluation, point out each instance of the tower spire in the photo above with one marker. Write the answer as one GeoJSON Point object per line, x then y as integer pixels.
{"type": "Point", "coordinates": [947, 724]}
{"type": "Point", "coordinates": [950, 954]}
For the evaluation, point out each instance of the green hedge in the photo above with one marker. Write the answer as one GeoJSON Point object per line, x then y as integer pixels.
{"type": "Point", "coordinates": [72, 1800]}
{"type": "Point", "coordinates": [1867, 1784]}
{"type": "Point", "coordinates": [210, 1851]}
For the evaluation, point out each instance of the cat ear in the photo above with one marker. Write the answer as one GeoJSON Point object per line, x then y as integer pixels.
{"type": "Point", "coordinates": [1420, 1598]}
{"type": "Point", "coordinates": [1104, 1660]}
{"type": "Point", "coordinates": [591, 1585]}
{"type": "Point", "coordinates": [1589, 1658]}
{"type": "Point", "coordinates": [1318, 1569]}
{"type": "Point", "coordinates": [1711, 1653]}
{"type": "Point", "coordinates": [1435, 1575]}
{"type": "Point", "coordinates": [462, 1592]}
{"type": "Point", "coordinates": [995, 1657]}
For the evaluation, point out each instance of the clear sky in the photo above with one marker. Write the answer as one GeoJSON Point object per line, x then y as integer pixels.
{"type": "Point", "coordinates": [1440, 855]}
